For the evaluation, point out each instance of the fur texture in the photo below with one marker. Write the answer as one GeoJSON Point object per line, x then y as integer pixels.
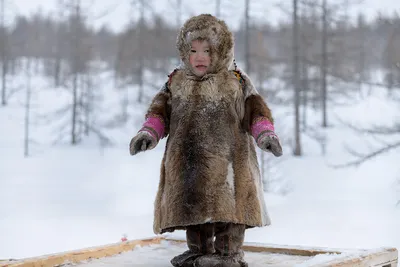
{"type": "Point", "coordinates": [216, 32]}
{"type": "Point", "coordinates": [209, 172]}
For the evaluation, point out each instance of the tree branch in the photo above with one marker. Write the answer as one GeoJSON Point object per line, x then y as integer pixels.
{"type": "Point", "coordinates": [104, 140]}
{"type": "Point", "coordinates": [362, 158]}
{"type": "Point", "coordinates": [56, 115]}
{"type": "Point", "coordinates": [376, 129]}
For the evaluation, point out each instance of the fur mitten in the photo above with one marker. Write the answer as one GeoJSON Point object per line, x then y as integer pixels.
{"type": "Point", "coordinates": [263, 132]}
{"type": "Point", "coordinates": [147, 137]}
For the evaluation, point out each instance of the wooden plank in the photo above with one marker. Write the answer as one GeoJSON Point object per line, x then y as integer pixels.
{"type": "Point", "coordinates": [362, 258]}
{"type": "Point", "coordinates": [377, 258]}
{"type": "Point", "coordinates": [291, 251]}
{"type": "Point", "coordinates": [383, 257]}
{"type": "Point", "coordinates": [6, 262]}
{"type": "Point", "coordinates": [300, 251]}
{"type": "Point", "coordinates": [82, 255]}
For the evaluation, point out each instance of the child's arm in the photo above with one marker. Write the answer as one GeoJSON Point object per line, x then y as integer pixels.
{"type": "Point", "coordinates": [258, 120]}
{"type": "Point", "coordinates": [156, 125]}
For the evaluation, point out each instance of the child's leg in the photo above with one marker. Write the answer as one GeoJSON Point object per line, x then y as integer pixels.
{"type": "Point", "coordinates": [229, 239]}
{"type": "Point", "coordinates": [228, 245]}
{"type": "Point", "coordinates": [199, 239]}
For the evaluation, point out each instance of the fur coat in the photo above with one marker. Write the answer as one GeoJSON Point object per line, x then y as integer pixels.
{"type": "Point", "coordinates": [209, 171]}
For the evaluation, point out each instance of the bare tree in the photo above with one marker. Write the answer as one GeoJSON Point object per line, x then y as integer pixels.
{"type": "Point", "coordinates": [247, 36]}
{"type": "Point", "coordinates": [58, 46]}
{"type": "Point", "coordinates": [141, 44]}
{"type": "Point", "coordinates": [81, 79]}
{"type": "Point", "coordinates": [296, 74]}
{"type": "Point", "coordinates": [362, 54]}
{"type": "Point", "coordinates": [87, 101]}
{"type": "Point", "coordinates": [178, 13]}
{"type": "Point", "coordinates": [217, 8]}
{"type": "Point", "coordinates": [27, 121]}
{"type": "Point", "coordinates": [135, 33]}
{"type": "Point", "coordinates": [392, 58]}
{"type": "Point", "coordinates": [3, 53]}
{"type": "Point", "coordinates": [308, 33]}
{"type": "Point", "coordinates": [386, 138]}
{"type": "Point", "coordinates": [75, 70]}
{"type": "Point", "coordinates": [78, 59]}
{"type": "Point", "coordinates": [324, 63]}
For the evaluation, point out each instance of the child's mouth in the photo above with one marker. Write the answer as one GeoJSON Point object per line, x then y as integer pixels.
{"type": "Point", "coordinates": [201, 67]}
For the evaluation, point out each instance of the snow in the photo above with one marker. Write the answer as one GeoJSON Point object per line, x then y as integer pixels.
{"type": "Point", "coordinates": [158, 255]}
{"type": "Point", "coordinates": [64, 197]}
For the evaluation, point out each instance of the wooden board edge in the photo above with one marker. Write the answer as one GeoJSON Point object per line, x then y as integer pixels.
{"type": "Point", "coordinates": [300, 251]}
{"type": "Point", "coordinates": [378, 258]}
{"type": "Point", "coordinates": [81, 255]}
{"type": "Point", "coordinates": [384, 257]}
{"type": "Point", "coordinates": [309, 252]}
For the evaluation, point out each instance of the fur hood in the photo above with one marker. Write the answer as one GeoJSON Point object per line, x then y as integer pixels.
{"type": "Point", "coordinates": [216, 32]}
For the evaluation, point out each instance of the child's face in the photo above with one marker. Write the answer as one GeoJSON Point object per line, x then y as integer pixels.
{"type": "Point", "coordinates": [199, 57]}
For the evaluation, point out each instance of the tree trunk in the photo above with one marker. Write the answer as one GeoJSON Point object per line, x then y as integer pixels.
{"type": "Point", "coordinates": [141, 59]}
{"type": "Point", "coordinates": [75, 71]}
{"type": "Point", "coordinates": [296, 81]}
{"type": "Point", "coordinates": [247, 37]}
{"type": "Point", "coordinates": [324, 64]}
{"type": "Point", "coordinates": [74, 108]}
{"type": "Point", "coordinates": [305, 89]}
{"type": "Point", "coordinates": [27, 107]}
{"type": "Point", "coordinates": [88, 106]}
{"type": "Point", "coordinates": [58, 57]}
{"type": "Point", "coordinates": [218, 8]}
{"type": "Point", "coordinates": [3, 55]}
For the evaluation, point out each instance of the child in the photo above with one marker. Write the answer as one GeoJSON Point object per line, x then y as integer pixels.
{"type": "Point", "coordinates": [210, 182]}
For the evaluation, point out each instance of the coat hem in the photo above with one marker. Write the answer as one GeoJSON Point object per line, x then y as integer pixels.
{"type": "Point", "coordinates": [172, 228]}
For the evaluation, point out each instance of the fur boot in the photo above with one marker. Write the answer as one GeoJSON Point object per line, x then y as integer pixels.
{"type": "Point", "coordinates": [199, 240]}
{"type": "Point", "coordinates": [228, 245]}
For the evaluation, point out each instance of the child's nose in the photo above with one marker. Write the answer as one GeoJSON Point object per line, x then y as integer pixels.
{"type": "Point", "coordinates": [200, 57]}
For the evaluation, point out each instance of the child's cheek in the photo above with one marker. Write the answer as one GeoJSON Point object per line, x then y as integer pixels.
{"type": "Point", "coordinates": [191, 60]}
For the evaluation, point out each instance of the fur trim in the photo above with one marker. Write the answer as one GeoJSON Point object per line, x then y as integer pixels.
{"type": "Point", "coordinates": [160, 108]}
{"type": "Point", "coordinates": [216, 32]}
{"type": "Point", "coordinates": [255, 107]}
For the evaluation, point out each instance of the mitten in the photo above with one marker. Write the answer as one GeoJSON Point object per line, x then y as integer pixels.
{"type": "Point", "coordinates": [269, 142]}
{"type": "Point", "coordinates": [263, 132]}
{"type": "Point", "coordinates": [141, 142]}
{"type": "Point", "coordinates": [148, 136]}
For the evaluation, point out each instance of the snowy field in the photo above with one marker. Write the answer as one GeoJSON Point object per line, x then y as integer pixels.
{"type": "Point", "coordinates": [65, 198]}
{"type": "Point", "coordinates": [158, 255]}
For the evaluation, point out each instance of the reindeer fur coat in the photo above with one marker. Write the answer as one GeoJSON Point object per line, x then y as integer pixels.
{"type": "Point", "coordinates": [209, 172]}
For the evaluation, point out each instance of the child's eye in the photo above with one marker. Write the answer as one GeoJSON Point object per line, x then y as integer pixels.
{"type": "Point", "coordinates": [207, 50]}
{"type": "Point", "coordinates": [193, 51]}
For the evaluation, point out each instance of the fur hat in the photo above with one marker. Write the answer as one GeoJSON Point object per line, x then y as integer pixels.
{"type": "Point", "coordinates": [216, 32]}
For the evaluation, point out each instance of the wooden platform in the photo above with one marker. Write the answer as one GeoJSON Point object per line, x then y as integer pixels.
{"type": "Point", "coordinates": [158, 252]}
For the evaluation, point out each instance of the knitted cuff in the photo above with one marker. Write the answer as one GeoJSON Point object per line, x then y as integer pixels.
{"type": "Point", "coordinates": [154, 126]}
{"type": "Point", "coordinates": [261, 126]}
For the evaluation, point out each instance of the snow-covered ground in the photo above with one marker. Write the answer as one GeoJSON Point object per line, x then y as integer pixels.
{"type": "Point", "coordinates": [157, 255]}
{"type": "Point", "coordinates": [65, 198]}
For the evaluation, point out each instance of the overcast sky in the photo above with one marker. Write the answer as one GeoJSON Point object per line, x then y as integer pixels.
{"type": "Point", "coordinates": [116, 13]}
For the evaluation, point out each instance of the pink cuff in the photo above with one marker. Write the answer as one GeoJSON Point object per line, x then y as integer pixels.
{"type": "Point", "coordinates": [260, 126]}
{"type": "Point", "coordinates": [154, 126]}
